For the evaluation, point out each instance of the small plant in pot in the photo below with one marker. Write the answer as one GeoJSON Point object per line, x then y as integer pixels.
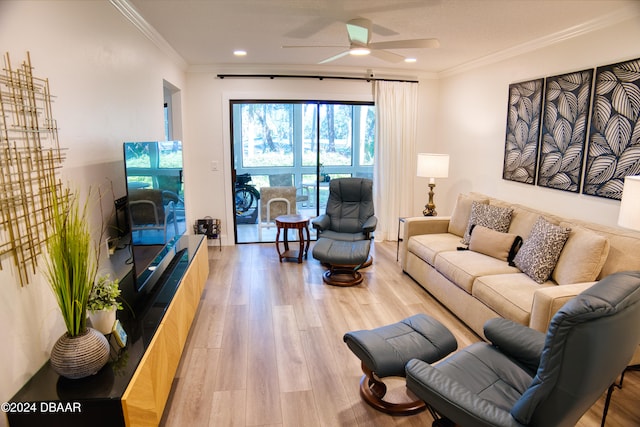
{"type": "Point", "coordinates": [103, 303]}
{"type": "Point", "coordinates": [70, 269]}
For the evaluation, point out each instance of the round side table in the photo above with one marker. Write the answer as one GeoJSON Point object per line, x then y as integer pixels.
{"type": "Point", "coordinates": [294, 222]}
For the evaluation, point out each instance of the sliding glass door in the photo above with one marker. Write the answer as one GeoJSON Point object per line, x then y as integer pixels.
{"type": "Point", "coordinates": [294, 145]}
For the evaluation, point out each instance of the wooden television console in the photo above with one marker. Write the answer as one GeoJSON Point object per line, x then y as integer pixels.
{"type": "Point", "coordinates": [132, 389]}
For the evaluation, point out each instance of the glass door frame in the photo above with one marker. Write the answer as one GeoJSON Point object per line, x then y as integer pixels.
{"type": "Point", "coordinates": [301, 172]}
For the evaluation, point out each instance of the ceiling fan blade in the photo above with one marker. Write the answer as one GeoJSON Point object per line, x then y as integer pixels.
{"type": "Point", "coordinates": [386, 55]}
{"type": "Point", "coordinates": [334, 57]}
{"type": "Point", "coordinates": [310, 28]}
{"type": "Point", "coordinates": [308, 46]}
{"type": "Point", "coordinates": [406, 44]}
{"type": "Point", "coordinates": [383, 31]}
{"type": "Point", "coordinates": [359, 31]}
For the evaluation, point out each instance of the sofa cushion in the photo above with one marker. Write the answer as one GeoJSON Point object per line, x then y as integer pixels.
{"type": "Point", "coordinates": [509, 295]}
{"type": "Point", "coordinates": [494, 217]}
{"type": "Point", "coordinates": [463, 267]}
{"type": "Point", "coordinates": [462, 211]}
{"type": "Point", "coordinates": [502, 246]}
{"type": "Point", "coordinates": [540, 251]}
{"type": "Point", "coordinates": [427, 246]}
{"type": "Point", "coordinates": [582, 257]}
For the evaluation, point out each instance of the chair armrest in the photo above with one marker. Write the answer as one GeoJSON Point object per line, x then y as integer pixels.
{"type": "Point", "coordinates": [453, 400]}
{"type": "Point", "coordinates": [548, 300]}
{"type": "Point", "coordinates": [369, 225]}
{"type": "Point", "coordinates": [516, 341]}
{"type": "Point", "coordinates": [321, 222]}
{"type": "Point", "coordinates": [421, 225]}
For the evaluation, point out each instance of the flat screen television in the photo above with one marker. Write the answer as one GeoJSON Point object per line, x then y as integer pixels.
{"type": "Point", "coordinates": [139, 267]}
{"type": "Point", "coordinates": [154, 207]}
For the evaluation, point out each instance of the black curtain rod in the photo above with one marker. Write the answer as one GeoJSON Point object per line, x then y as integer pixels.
{"type": "Point", "coordinates": [295, 76]}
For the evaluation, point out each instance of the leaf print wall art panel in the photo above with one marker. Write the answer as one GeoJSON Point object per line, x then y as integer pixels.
{"type": "Point", "coordinates": [523, 131]}
{"type": "Point", "coordinates": [614, 140]}
{"type": "Point", "coordinates": [564, 130]}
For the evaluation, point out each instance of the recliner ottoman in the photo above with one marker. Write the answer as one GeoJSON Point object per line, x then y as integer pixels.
{"type": "Point", "coordinates": [344, 259]}
{"type": "Point", "coordinates": [386, 350]}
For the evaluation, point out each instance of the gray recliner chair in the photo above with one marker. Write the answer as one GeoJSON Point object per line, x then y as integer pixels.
{"type": "Point", "coordinates": [349, 215]}
{"type": "Point", "coordinates": [527, 378]}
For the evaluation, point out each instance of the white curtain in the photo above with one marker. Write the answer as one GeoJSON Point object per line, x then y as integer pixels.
{"type": "Point", "coordinates": [395, 154]}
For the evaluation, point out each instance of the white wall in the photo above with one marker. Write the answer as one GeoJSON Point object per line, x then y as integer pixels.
{"type": "Point", "coordinates": [472, 112]}
{"type": "Point", "coordinates": [107, 79]}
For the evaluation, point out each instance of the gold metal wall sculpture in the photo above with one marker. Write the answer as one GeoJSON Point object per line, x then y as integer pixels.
{"type": "Point", "coordinates": [29, 159]}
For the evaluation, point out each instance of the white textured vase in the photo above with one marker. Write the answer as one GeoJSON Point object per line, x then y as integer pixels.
{"type": "Point", "coordinates": [103, 320]}
{"type": "Point", "coordinates": [80, 356]}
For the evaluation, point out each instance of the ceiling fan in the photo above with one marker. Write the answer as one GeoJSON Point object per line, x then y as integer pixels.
{"type": "Point", "coordinates": [359, 31]}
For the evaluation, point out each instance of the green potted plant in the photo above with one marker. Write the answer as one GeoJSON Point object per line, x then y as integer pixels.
{"type": "Point", "coordinates": [70, 268]}
{"type": "Point", "coordinates": [103, 303]}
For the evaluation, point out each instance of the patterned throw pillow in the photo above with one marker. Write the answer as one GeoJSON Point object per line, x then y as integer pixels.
{"type": "Point", "coordinates": [540, 251]}
{"type": "Point", "coordinates": [490, 216]}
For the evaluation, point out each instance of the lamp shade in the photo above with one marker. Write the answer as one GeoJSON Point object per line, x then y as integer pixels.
{"type": "Point", "coordinates": [433, 165]}
{"type": "Point", "coordinates": [629, 216]}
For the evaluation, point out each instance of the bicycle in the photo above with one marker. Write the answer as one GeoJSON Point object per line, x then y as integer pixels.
{"type": "Point", "coordinates": [247, 195]}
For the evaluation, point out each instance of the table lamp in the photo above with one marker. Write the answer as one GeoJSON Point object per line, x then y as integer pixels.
{"type": "Point", "coordinates": [432, 166]}
{"type": "Point", "coordinates": [629, 216]}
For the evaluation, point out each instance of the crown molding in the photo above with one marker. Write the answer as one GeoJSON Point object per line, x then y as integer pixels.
{"type": "Point", "coordinates": [132, 15]}
{"type": "Point", "coordinates": [605, 21]}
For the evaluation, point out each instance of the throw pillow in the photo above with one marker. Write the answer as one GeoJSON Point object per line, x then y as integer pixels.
{"type": "Point", "coordinates": [582, 258]}
{"type": "Point", "coordinates": [540, 251]}
{"type": "Point", "coordinates": [490, 216]}
{"type": "Point", "coordinates": [503, 246]}
{"type": "Point", "coordinates": [461, 213]}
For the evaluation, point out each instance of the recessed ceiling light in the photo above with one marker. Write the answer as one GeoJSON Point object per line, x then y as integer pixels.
{"type": "Point", "coordinates": [410, 59]}
{"type": "Point", "coordinates": [240, 52]}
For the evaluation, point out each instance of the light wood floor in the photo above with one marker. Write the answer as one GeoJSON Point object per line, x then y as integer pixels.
{"type": "Point", "coordinates": [266, 346]}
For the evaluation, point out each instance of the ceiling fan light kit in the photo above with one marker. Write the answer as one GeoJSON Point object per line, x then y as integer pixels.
{"type": "Point", "coordinates": [359, 51]}
{"type": "Point", "coordinates": [359, 31]}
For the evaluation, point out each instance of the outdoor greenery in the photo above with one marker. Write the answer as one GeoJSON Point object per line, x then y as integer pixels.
{"type": "Point", "coordinates": [153, 155]}
{"type": "Point", "coordinates": [139, 155]}
{"type": "Point", "coordinates": [269, 132]}
{"type": "Point", "coordinates": [71, 264]}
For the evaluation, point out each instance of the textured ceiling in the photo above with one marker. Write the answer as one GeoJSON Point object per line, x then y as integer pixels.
{"type": "Point", "coordinates": [205, 32]}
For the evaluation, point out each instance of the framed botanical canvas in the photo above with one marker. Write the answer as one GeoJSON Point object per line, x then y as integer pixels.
{"type": "Point", "coordinates": [523, 131]}
{"type": "Point", "coordinates": [564, 130]}
{"type": "Point", "coordinates": [614, 139]}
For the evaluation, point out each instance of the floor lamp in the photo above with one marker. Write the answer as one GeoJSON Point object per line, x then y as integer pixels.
{"type": "Point", "coordinates": [432, 166]}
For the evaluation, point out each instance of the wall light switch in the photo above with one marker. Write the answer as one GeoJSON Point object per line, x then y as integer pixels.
{"type": "Point", "coordinates": [214, 165]}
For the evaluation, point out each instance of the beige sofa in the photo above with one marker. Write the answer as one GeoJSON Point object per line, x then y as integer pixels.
{"type": "Point", "coordinates": [477, 287]}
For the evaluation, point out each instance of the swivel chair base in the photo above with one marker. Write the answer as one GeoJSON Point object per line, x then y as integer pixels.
{"type": "Point", "coordinates": [342, 275]}
{"type": "Point", "coordinates": [372, 391]}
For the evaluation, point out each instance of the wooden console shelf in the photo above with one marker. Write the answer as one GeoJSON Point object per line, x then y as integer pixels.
{"type": "Point", "coordinates": [132, 390]}
{"type": "Point", "coordinates": [144, 399]}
